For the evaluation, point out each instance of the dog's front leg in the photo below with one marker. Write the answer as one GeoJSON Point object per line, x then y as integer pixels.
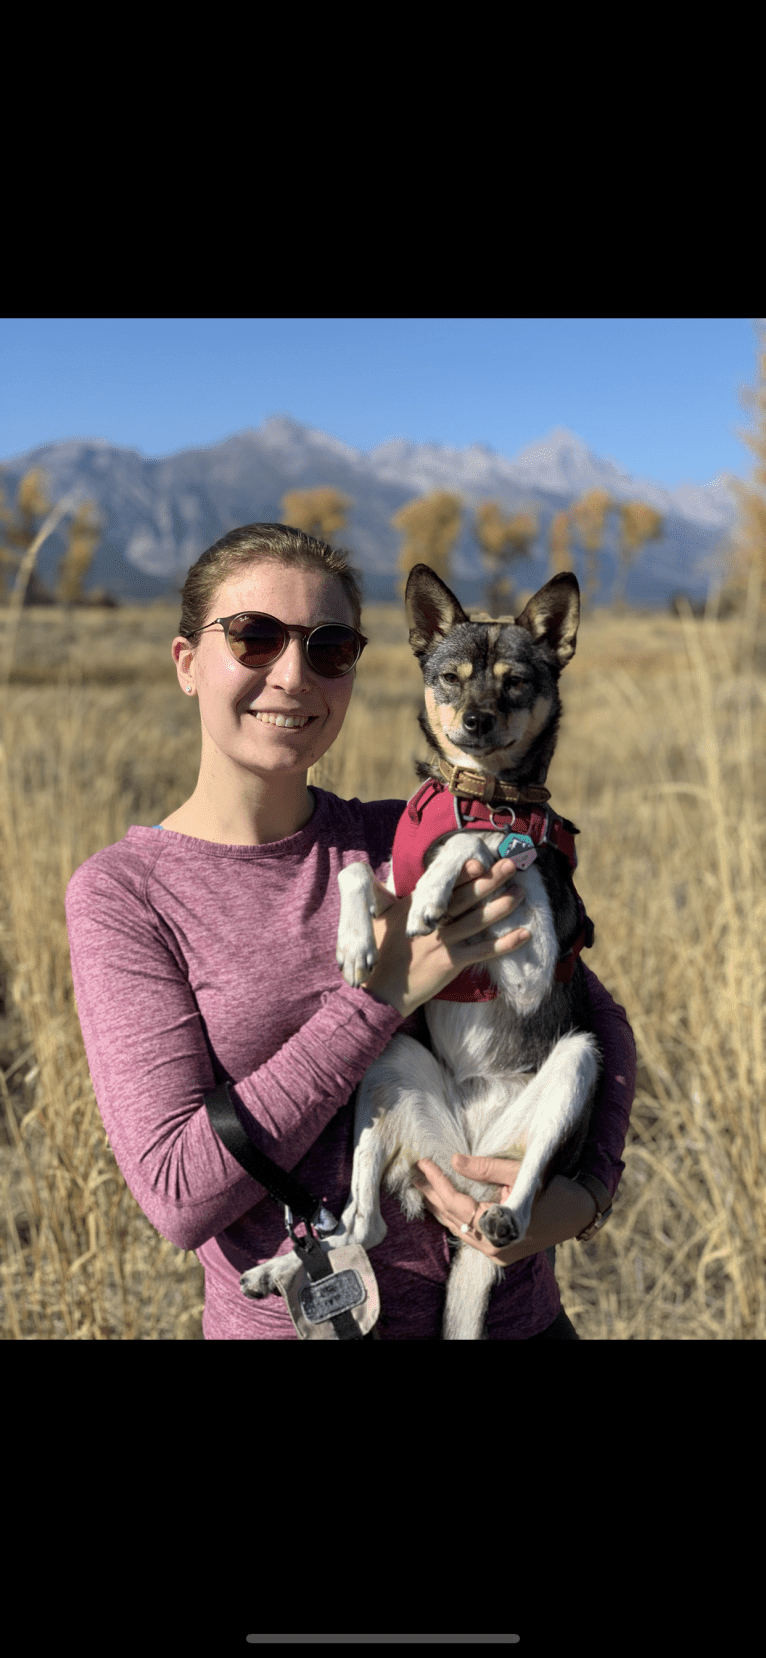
{"type": "Point", "coordinates": [361, 898]}
{"type": "Point", "coordinates": [267, 1278]}
{"type": "Point", "coordinates": [433, 892]}
{"type": "Point", "coordinates": [275, 1275]}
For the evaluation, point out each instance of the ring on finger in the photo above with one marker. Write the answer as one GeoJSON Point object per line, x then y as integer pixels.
{"type": "Point", "coordinates": [467, 1226]}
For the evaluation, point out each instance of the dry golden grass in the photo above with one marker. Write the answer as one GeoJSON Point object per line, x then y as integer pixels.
{"type": "Point", "coordinates": [660, 763]}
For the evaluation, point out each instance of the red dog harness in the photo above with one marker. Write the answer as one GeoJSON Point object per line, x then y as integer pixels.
{"type": "Point", "coordinates": [434, 811]}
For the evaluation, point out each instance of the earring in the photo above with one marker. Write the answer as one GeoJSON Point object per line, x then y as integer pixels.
{"type": "Point", "coordinates": [189, 690]}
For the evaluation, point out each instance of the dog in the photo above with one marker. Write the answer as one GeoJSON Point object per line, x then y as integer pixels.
{"type": "Point", "coordinates": [515, 1062]}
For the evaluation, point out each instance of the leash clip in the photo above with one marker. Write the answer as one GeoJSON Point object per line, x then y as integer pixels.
{"type": "Point", "coordinates": [324, 1225]}
{"type": "Point", "coordinates": [334, 1295]}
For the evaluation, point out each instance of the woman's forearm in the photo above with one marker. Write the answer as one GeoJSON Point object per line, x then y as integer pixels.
{"type": "Point", "coordinates": [562, 1211]}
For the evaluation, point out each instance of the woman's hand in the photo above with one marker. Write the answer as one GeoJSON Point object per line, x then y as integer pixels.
{"type": "Point", "coordinates": [454, 1208]}
{"type": "Point", "coordinates": [410, 971]}
{"type": "Point", "coordinates": [562, 1211]}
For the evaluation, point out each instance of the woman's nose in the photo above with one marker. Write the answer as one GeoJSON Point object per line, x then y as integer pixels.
{"type": "Point", "coordinates": [291, 668]}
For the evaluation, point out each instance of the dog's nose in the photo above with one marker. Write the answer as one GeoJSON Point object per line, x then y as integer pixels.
{"type": "Point", "coordinates": [477, 724]}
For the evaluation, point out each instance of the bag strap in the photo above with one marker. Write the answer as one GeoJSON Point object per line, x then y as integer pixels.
{"type": "Point", "coordinates": [280, 1185]}
{"type": "Point", "coordinates": [285, 1190]}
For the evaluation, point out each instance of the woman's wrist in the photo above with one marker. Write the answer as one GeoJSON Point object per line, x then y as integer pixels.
{"type": "Point", "coordinates": [561, 1212]}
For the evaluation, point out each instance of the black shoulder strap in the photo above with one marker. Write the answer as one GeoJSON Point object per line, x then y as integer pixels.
{"type": "Point", "coordinates": [279, 1184]}
{"type": "Point", "coordinates": [284, 1189]}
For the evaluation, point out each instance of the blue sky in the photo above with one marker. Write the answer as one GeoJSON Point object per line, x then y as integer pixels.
{"type": "Point", "coordinates": [658, 395]}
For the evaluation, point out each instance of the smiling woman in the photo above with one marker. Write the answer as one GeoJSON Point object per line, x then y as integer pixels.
{"type": "Point", "coordinates": [203, 951]}
{"type": "Point", "coordinates": [272, 611]}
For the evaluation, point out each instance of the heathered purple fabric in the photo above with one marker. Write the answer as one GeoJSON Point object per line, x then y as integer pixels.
{"type": "Point", "coordinates": [183, 950]}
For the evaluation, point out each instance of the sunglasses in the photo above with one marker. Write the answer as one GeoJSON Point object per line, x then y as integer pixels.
{"type": "Point", "coordinates": [256, 641]}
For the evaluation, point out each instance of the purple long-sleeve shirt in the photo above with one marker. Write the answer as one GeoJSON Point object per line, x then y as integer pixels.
{"type": "Point", "coordinates": [193, 961]}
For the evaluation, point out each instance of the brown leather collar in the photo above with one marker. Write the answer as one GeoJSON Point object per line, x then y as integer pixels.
{"type": "Point", "coordinates": [481, 785]}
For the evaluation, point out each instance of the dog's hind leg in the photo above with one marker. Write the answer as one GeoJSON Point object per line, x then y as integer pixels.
{"type": "Point", "coordinates": [403, 1112]}
{"type": "Point", "coordinates": [558, 1098]}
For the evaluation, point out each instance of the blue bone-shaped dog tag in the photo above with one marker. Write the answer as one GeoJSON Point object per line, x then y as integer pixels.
{"type": "Point", "coordinates": [519, 847]}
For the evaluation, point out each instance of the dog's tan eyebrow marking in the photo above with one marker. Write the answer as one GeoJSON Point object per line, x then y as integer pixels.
{"type": "Point", "coordinates": [501, 668]}
{"type": "Point", "coordinates": [463, 669]}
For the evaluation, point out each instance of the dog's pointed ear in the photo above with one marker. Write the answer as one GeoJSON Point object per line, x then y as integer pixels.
{"type": "Point", "coordinates": [553, 614]}
{"type": "Point", "coordinates": [431, 607]}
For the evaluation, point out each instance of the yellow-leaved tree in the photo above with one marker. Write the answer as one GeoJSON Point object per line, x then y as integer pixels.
{"type": "Point", "coordinates": [82, 540]}
{"type": "Point", "coordinates": [639, 523]}
{"type": "Point", "coordinates": [560, 538]}
{"type": "Point", "coordinates": [587, 519]}
{"type": "Point", "coordinates": [747, 572]}
{"type": "Point", "coordinates": [321, 512]}
{"type": "Point", "coordinates": [584, 521]}
{"type": "Point", "coordinates": [429, 527]}
{"type": "Point", "coordinates": [503, 540]}
{"type": "Point", "coordinates": [18, 529]}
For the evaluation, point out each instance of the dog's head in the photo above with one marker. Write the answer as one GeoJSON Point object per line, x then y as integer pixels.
{"type": "Point", "coordinates": [491, 688]}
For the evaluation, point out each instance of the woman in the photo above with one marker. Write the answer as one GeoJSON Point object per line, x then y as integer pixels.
{"type": "Point", "coordinates": [203, 948]}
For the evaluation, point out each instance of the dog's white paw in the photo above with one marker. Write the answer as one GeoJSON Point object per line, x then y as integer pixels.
{"type": "Point", "coordinates": [430, 902]}
{"type": "Point", "coordinates": [356, 951]}
{"type": "Point", "coordinates": [267, 1278]}
{"type": "Point", "coordinates": [356, 954]}
{"type": "Point", "coordinates": [433, 893]}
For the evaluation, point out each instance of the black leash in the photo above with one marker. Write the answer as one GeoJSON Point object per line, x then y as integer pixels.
{"type": "Point", "coordinates": [291, 1195]}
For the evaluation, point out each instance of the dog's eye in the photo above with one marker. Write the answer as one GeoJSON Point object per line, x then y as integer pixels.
{"type": "Point", "coordinates": [450, 679]}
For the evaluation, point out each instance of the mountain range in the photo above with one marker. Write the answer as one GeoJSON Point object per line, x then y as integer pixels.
{"type": "Point", "coordinates": [158, 515]}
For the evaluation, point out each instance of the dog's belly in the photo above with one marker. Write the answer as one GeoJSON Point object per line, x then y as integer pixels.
{"type": "Point", "coordinates": [409, 1106]}
{"type": "Point", "coordinates": [494, 1113]}
{"type": "Point", "coordinates": [421, 1108]}
{"type": "Point", "coordinates": [481, 1039]}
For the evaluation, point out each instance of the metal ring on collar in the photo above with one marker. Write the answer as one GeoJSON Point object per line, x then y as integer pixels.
{"type": "Point", "coordinates": [505, 810]}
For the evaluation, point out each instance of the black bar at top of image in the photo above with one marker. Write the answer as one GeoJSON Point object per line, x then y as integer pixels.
{"type": "Point", "coordinates": [382, 1640]}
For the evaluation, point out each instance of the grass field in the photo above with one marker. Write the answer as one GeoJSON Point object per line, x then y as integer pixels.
{"type": "Point", "coordinates": [662, 765]}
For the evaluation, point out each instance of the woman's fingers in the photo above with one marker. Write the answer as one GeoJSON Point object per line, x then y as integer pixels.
{"type": "Point", "coordinates": [493, 907]}
{"type": "Point", "coordinates": [472, 926]}
{"type": "Point", "coordinates": [410, 970]}
{"type": "Point", "coordinates": [467, 955]}
{"type": "Point", "coordinates": [472, 887]}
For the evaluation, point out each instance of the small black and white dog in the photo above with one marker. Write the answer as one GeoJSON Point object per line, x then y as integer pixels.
{"type": "Point", "coordinates": [515, 1064]}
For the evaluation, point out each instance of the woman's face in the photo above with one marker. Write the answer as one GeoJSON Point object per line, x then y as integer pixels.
{"type": "Point", "coordinates": [234, 700]}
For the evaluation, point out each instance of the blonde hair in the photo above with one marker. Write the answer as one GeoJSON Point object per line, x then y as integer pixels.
{"type": "Point", "coordinates": [256, 544]}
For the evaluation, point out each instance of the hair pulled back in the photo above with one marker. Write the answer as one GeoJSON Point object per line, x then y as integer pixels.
{"type": "Point", "coordinates": [256, 544]}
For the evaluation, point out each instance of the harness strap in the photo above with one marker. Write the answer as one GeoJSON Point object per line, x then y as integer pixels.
{"type": "Point", "coordinates": [565, 965]}
{"type": "Point", "coordinates": [553, 833]}
{"type": "Point", "coordinates": [541, 825]}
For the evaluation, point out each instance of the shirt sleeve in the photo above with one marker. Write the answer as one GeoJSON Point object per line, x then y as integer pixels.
{"type": "Point", "coordinates": [602, 1154]}
{"type": "Point", "coordinates": [150, 1065]}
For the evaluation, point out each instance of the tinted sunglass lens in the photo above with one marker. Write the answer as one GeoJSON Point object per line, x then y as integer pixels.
{"type": "Point", "coordinates": [332, 651]}
{"type": "Point", "coordinates": [255, 640]}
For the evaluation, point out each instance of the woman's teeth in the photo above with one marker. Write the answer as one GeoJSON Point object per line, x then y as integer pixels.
{"type": "Point", "coordinates": [282, 719]}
